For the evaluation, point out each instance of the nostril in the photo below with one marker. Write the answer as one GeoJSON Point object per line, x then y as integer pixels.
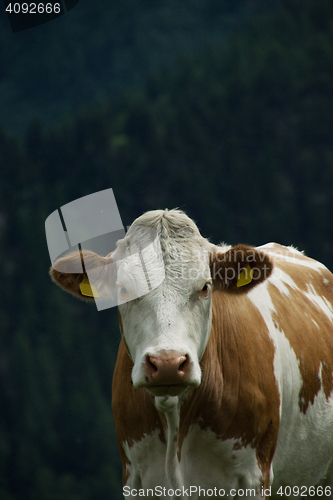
{"type": "Point", "coordinates": [152, 364]}
{"type": "Point", "coordinates": [184, 364]}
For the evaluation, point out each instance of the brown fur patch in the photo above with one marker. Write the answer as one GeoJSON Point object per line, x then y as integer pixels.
{"type": "Point", "coordinates": [226, 267]}
{"type": "Point", "coordinates": [134, 412]}
{"type": "Point", "coordinates": [238, 397]}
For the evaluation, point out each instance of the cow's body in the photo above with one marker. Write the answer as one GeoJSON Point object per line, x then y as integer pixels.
{"type": "Point", "coordinates": [261, 412]}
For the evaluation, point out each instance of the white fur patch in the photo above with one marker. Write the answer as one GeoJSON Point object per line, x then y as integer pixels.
{"type": "Point", "coordinates": [325, 306]}
{"type": "Point", "coordinates": [305, 442]}
{"type": "Point", "coordinates": [206, 461]}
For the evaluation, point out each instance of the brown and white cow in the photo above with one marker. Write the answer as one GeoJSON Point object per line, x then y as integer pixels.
{"type": "Point", "coordinates": [224, 373]}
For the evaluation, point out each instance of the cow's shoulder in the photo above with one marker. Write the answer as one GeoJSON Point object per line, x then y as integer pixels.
{"type": "Point", "coordinates": [299, 277]}
{"type": "Point", "coordinates": [281, 253]}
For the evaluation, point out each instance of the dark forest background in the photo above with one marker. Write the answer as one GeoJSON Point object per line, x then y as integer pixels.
{"type": "Point", "coordinates": [224, 109]}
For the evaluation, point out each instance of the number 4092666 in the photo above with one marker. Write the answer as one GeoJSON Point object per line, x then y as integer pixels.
{"type": "Point", "coordinates": [310, 491]}
{"type": "Point", "coordinates": [33, 8]}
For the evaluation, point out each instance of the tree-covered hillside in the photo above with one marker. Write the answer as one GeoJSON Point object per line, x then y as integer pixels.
{"type": "Point", "coordinates": [239, 137]}
{"type": "Point", "coordinates": [100, 48]}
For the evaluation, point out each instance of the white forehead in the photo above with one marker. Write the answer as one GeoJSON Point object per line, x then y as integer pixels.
{"type": "Point", "coordinates": [171, 247]}
{"type": "Point", "coordinates": [141, 267]}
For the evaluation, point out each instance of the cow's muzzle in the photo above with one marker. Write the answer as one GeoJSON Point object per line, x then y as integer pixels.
{"type": "Point", "coordinates": [167, 373]}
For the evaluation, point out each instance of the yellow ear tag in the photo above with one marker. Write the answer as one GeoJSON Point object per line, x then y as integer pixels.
{"type": "Point", "coordinates": [245, 276]}
{"type": "Point", "coordinates": [87, 289]}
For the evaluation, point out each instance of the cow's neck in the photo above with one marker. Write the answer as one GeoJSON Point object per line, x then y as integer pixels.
{"type": "Point", "coordinates": [235, 400]}
{"type": "Point", "coordinates": [170, 406]}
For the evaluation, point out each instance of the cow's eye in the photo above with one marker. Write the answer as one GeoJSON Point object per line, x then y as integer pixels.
{"type": "Point", "coordinates": [205, 290]}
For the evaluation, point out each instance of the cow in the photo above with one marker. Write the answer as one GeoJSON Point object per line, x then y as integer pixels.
{"type": "Point", "coordinates": [223, 384]}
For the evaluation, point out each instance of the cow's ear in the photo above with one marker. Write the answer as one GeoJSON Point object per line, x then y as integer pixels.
{"type": "Point", "coordinates": [239, 269]}
{"type": "Point", "coordinates": [69, 272]}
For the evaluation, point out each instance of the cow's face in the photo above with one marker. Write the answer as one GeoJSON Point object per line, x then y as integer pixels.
{"type": "Point", "coordinates": [166, 320]}
{"type": "Point", "coordinates": [166, 331]}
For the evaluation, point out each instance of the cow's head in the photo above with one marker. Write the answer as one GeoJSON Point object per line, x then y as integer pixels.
{"type": "Point", "coordinates": [166, 330]}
